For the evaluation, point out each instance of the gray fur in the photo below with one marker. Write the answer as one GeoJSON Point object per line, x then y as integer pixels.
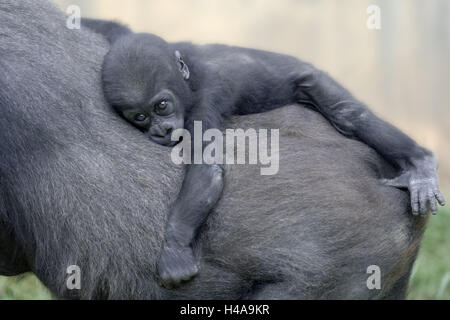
{"type": "Point", "coordinates": [80, 186]}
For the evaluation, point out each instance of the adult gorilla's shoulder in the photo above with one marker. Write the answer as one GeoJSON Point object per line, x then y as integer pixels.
{"type": "Point", "coordinates": [81, 187]}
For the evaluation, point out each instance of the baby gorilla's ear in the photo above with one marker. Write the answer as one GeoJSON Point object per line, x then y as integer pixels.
{"type": "Point", "coordinates": [182, 66]}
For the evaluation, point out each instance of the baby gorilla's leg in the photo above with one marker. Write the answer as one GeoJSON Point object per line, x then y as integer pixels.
{"type": "Point", "coordinates": [201, 189]}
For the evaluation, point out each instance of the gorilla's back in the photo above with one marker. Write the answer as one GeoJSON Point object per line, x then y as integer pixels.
{"type": "Point", "coordinates": [323, 219]}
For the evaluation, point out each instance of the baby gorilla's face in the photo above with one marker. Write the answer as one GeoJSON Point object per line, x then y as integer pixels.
{"type": "Point", "coordinates": [137, 74]}
{"type": "Point", "coordinates": [159, 118]}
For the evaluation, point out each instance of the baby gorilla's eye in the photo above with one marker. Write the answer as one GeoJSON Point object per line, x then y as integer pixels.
{"type": "Point", "coordinates": [164, 108]}
{"type": "Point", "coordinates": [162, 105]}
{"type": "Point", "coordinates": [140, 117]}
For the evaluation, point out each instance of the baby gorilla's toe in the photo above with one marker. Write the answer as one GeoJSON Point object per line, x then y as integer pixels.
{"type": "Point", "coordinates": [175, 266]}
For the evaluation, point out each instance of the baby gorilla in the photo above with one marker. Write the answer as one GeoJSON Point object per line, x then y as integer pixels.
{"type": "Point", "coordinates": [154, 87]}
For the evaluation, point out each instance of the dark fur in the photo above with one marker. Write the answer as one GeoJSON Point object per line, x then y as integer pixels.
{"type": "Point", "coordinates": [79, 186]}
{"type": "Point", "coordinates": [141, 70]}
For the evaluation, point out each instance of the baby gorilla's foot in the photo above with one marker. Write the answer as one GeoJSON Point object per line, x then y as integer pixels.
{"type": "Point", "coordinates": [175, 266]}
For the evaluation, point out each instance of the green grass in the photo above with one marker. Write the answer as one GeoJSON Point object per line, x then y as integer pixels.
{"type": "Point", "coordinates": [431, 272]}
{"type": "Point", "coordinates": [23, 287]}
{"type": "Point", "coordinates": [430, 278]}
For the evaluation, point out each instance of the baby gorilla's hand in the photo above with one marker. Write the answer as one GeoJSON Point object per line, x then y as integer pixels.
{"type": "Point", "coordinates": [421, 181]}
{"type": "Point", "coordinates": [176, 265]}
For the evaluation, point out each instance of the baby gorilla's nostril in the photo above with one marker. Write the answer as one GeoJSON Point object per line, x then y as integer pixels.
{"type": "Point", "coordinates": [169, 131]}
{"type": "Point", "coordinates": [157, 131]}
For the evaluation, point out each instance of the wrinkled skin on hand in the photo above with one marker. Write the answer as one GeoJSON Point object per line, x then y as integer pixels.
{"type": "Point", "coordinates": [421, 181]}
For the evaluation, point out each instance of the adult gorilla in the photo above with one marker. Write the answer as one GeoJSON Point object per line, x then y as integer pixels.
{"type": "Point", "coordinates": [79, 186]}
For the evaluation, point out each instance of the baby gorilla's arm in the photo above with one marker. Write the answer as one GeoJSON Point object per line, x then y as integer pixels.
{"type": "Point", "coordinates": [352, 118]}
{"type": "Point", "coordinates": [201, 189]}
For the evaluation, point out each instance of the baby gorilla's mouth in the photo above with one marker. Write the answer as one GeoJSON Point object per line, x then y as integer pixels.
{"type": "Point", "coordinates": [162, 140]}
{"type": "Point", "coordinates": [162, 136]}
{"type": "Point", "coordinates": [165, 140]}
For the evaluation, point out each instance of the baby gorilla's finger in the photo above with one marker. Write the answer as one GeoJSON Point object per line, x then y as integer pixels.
{"type": "Point", "coordinates": [414, 201]}
{"type": "Point", "coordinates": [423, 203]}
{"type": "Point", "coordinates": [439, 197]}
{"type": "Point", "coordinates": [433, 204]}
{"type": "Point", "coordinates": [398, 182]}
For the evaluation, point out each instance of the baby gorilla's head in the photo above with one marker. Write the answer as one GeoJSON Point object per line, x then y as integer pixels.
{"type": "Point", "coordinates": [144, 79]}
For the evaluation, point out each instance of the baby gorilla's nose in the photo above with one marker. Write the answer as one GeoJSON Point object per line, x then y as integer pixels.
{"type": "Point", "coordinates": [159, 131]}
{"type": "Point", "coordinates": [161, 134]}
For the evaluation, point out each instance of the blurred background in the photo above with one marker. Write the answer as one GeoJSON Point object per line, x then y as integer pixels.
{"type": "Point", "coordinates": [401, 71]}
